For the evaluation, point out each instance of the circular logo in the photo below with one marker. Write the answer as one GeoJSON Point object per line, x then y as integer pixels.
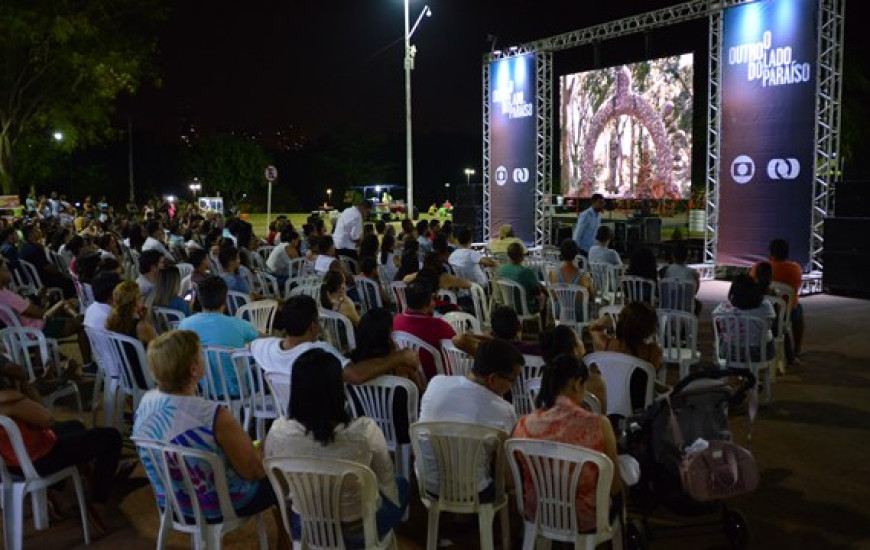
{"type": "Point", "coordinates": [501, 175]}
{"type": "Point", "coordinates": [742, 169]}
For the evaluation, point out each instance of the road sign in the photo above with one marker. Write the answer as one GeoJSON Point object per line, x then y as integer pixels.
{"type": "Point", "coordinates": [271, 173]}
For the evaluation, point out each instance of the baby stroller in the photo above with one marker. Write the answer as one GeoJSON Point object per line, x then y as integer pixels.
{"type": "Point", "coordinates": [696, 408]}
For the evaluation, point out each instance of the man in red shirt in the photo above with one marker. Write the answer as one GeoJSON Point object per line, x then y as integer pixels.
{"type": "Point", "coordinates": [790, 273]}
{"type": "Point", "coordinates": [418, 320]}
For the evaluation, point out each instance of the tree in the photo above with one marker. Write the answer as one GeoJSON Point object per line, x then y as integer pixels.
{"type": "Point", "coordinates": [228, 163]}
{"type": "Point", "coordinates": [62, 65]}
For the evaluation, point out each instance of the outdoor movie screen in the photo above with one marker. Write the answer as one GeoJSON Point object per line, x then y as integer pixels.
{"type": "Point", "coordinates": [626, 131]}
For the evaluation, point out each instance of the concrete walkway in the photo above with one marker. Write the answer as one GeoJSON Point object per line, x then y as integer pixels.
{"type": "Point", "coordinates": [812, 443]}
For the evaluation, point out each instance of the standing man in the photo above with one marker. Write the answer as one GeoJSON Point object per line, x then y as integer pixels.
{"type": "Point", "coordinates": [349, 229]}
{"type": "Point", "coordinates": [588, 223]}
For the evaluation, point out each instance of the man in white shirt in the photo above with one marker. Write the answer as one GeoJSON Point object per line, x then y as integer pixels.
{"type": "Point", "coordinates": [154, 241]}
{"type": "Point", "coordinates": [468, 262]}
{"type": "Point", "coordinates": [150, 262]}
{"type": "Point", "coordinates": [102, 286]}
{"type": "Point", "coordinates": [277, 355]}
{"type": "Point", "coordinates": [349, 229]}
{"type": "Point", "coordinates": [600, 251]}
{"type": "Point", "coordinates": [474, 399]}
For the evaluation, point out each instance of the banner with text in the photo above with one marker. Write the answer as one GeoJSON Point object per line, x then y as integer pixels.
{"type": "Point", "coordinates": [513, 145]}
{"type": "Point", "coordinates": [768, 123]}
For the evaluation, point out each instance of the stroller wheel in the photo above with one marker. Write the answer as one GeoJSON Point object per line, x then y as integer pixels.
{"type": "Point", "coordinates": [736, 529]}
{"type": "Point", "coordinates": [636, 537]}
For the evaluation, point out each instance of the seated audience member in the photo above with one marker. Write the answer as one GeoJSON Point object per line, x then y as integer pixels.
{"type": "Point", "coordinates": [9, 246]}
{"type": "Point", "coordinates": [168, 289]}
{"type": "Point", "coordinates": [52, 446]}
{"type": "Point", "coordinates": [410, 260]}
{"type": "Point", "coordinates": [368, 269]}
{"type": "Point", "coordinates": [505, 238]}
{"type": "Point", "coordinates": [474, 399]}
{"type": "Point", "coordinates": [58, 321]}
{"type": "Point", "coordinates": [369, 246]}
{"type": "Point", "coordinates": [745, 297]}
{"type": "Point", "coordinates": [33, 251]}
{"type": "Point", "coordinates": [230, 264]}
{"type": "Point", "coordinates": [387, 256]}
{"type": "Point", "coordinates": [198, 258]}
{"type": "Point", "coordinates": [560, 417]}
{"type": "Point", "coordinates": [423, 237]}
{"type": "Point", "coordinates": [790, 273]}
{"type": "Point", "coordinates": [643, 264]}
{"type": "Point", "coordinates": [562, 340]}
{"type": "Point", "coordinates": [174, 413]}
{"type": "Point", "coordinates": [569, 274]}
{"type": "Point", "coordinates": [319, 425]}
{"type": "Point", "coordinates": [634, 335]}
{"type": "Point", "coordinates": [507, 326]}
{"type": "Point", "coordinates": [333, 296]}
{"type": "Point", "coordinates": [150, 262]}
{"type": "Point", "coordinates": [103, 286]}
{"type": "Point", "coordinates": [467, 262]}
{"type": "Point", "coordinates": [601, 251]}
{"type": "Point", "coordinates": [526, 277]}
{"type": "Point", "coordinates": [129, 315]}
{"type": "Point", "coordinates": [680, 271]}
{"type": "Point", "coordinates": [213, 327]}
{"type": "Point", "coordinates": [154, 241]}
{"type": "Point", "coordinates": [301, 326]}
{"type": "Point", "coordinates": [278, 262]}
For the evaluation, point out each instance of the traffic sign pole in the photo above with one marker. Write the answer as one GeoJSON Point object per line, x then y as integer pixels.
{"type": "Point", "coordinates": [271, 174]}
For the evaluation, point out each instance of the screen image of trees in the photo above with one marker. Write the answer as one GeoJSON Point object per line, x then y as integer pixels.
{"type": "Point", "coordinates": [626, 131]}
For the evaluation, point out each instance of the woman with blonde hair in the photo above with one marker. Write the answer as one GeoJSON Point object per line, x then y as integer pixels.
{"type": "Point", "coordinates": [168, 289]}
{"type": "Point", "coordinates": [129, 316]}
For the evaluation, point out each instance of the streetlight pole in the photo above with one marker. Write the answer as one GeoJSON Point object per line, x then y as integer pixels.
{"type": "Point", "coordinates": [410, 51]}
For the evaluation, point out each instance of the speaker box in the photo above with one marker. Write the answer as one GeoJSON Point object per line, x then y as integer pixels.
{"type": "Point", "coordinates": [847, 256]}
{"type": "Point", "coordinates": [652, 230]}
{"type": "Point", "coordinates": [852, 200]}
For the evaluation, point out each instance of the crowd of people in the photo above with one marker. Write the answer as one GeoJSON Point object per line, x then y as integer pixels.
{"type": "Point", "coordinates": [130, 265]}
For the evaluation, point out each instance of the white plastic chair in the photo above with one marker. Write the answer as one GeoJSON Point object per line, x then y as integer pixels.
{"type": "Point", "coordinates": [314, 486]}
{"type": "Point", "coordinates": [15, 487]}
{"type": "Point", "coordinates": [265, 251]}
{"type": "Point", "coordinates": [307, 286]}
{"type": "Point", "coordinates": [612, 312]}
{"type": "Point", "coordinates": [129, 355]}
{"type": "Point", "coordinates": [740, 342]}
{"type": "Point", "coordinates": [456, 361]}
{"type": "Point", "coordinates": [166, 318]}
{"type": "Point", "coordinates": [398, 290]}
{"type": "Point", "coordinates": [32, 350]}
{"type": "Point", "coordinates": [259, 404]}
{"type": "Point", "coordinates": [185, 471]}
{"type": "Point", "coordinates": [565, 304]}
{"type": "Point", "coordinates": [256, 261]}
{"type": "Point", "coordinates": [186, 286]}
{"type": "Point", "coordinates": [260, 313]}
{"type": "Point", "coordinates": [349, 265]}
{"type": "Point", "coordinates": [534, 366]}
{"type": "Point", "coordinates": [222, 381]}
{"type": "Point", "coordinates": [337, 330]}
{"type": "Point", "coordinates": [786, 292]}
{"type": "Point", "coordinates": [107, 383]}
{"type": "Point", "coordinates": [678, 337]}
{"type": "Point", "coordinates": [447, 296]}
{"type": "Point", "coordinates": [299, 268]}
{"type": "Point", "coordinates": [677, 294]}
{"type": "Point", "coordinates": [782, 312]}
{"type": "Point", "coordinates": [462, 322]}
{"type": "Point", "coordinates": [405, 340]}
{"type": "Point", "coordinates": [638, 289]}
{"type": "Point", "coordinates": [513, 295]}
{"type": "Point", "coordinates": [604, 278]}
{"type": "Point", "coordinates": [376, 398]}
{"type": "Point", "coordinates": [235, 300]}
{"type": "Point", "coordinates": [555, 469]}
{"type": "Point", "coordinates": [481, 304]}
{"type": "Point", "coordinates": [85, 294]}
{"type": "Point", "coordinates": [616, 369]}
{"type": "Point", "coordinates": [184, 269]}
{"type": "Point", "coordinates": [268, 285]}
{"type": "Point", "coordinates": [35, 280]}
{"type": "Point", "coordinates": [456, 449]}
{"type": "Point", "coordinates": [279, 387]}
{"type": "Point", "coordinates": [369, 294]}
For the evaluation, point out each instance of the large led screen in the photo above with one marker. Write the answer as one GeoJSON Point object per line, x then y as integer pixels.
{"type": "Point", "coordinates": [626, 131]}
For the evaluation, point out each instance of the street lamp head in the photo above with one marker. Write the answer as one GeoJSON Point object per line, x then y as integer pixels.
{"type": "Point", "coordinates": [428, 11]}
{"type": "Point", "coordinates": [58, 136]}
{"type": "Point", "coordinates": [469, 172]}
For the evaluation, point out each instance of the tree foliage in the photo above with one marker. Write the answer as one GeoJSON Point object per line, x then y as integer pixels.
{"type": "Point", "coordinates": [228, 163]}
{"type": "Point", "coordinates": [62, 65]}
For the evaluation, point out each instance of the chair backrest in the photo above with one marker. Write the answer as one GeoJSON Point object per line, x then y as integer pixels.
{"type": "Point", "coordinates": [555, 470]}
{"type": "Point", "coordinates": [565, 304]}
{"type": "Point", "coordinates": [780, 306]}
{"type": "Point", "coordinates": [601, 276]}
{"type": "Point", "coordinates": [337, 329]}
{"type": "Point", "coordinates": [308, 285]}
{"type": "Point", "coordinates": [184, 269]}
{"type": "Point", "coordinates": [9, 317]}
{"type": "Point", "coordinates": [398, 290]}
{"type": "Point", "coordinates": [13, 434]}
{"type": "Point", "coordinates": [349, 265]}
{"type": "Point", "coordinates": [235, 300]}
{"type": "Point", "coordinates": [222, 382]}
{"type": "Point", "coordinates": [638, 289]}
{"type": "Point", "coordinates": [369, 293]}
{"type": "Point", "coordinates": [260, 313]}
{"type": "Point", "coordinates": [29, 348]}
{"type": "Point", "coordinates": [406, 340]}
{"type": "Point", "coordinates": [447, 296]}
{"type": "Point", "coordinates": [186, 480]}
{"type": "Point", "coordinates": [59, 261]}
{"type": "Point", "coordinates": [129, 355]}
{"type": "Point", "coordinates": [268, 284]}
{"type": "Point", "coordinates": [740, 340]}
{"type": "Point", "coordinates": [678, 335]}
{"type": "Point", "coordinates": [186, 285]}
{"type": "Point", "coordinates": [616, 369]}
{"type": "Point", "coordinates": [257, 261]}
{"type": "Point", "coordinates": [456, 361]}
{"type": "Point", "coordinates": [102, 351]}
{"type": "Point", "coordinates": [314, 486]}
{"type": "Point", "coordinates": [376, 398]}
{"type": "Point", "coordinates": [279, 386]}
{"type": "Point", "coordinates": [258, 397]}
{"type": "Point", "coordinates": [462, 322]}
{"type": "Point", "coordinates": [677, 294]}
{"type": "Point", "coordinates": [22, 283]}
{"type": "Point", "coordinates": [787, 293]}
{"type": "Point", "coordinates": [32, 274]}
{"type": "Point", "coordinates": [167, 318]}
{"type": "Point", "coordinates": [612, 312]}
{"type": "Point", "coordinates": [451, 446]}
{"type": "Point", "coordinates": [265, 251]}
{"type": "Point", "coordinates": [534, 366]}
{"type": "Point", "coordinates": [481, 304]}
{"type": "Point", "coordinates": [85, 294]}
{"type": "Point", "coordinates": [513, 295]}
{"type": "Point", "coordinates": [299, 267]}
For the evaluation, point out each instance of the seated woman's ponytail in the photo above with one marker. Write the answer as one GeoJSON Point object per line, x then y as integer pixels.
{"type": "Point", "coordinates": [557, 374]}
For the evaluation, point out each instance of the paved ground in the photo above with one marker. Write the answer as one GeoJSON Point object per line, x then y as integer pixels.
{"type": "Point", "coordinates": [811, 443]}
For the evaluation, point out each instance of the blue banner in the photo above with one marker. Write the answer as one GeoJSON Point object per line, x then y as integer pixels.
{"type": "Point", "coordinates": [513, 145]}
{"type": "Point", "coordinates": [768, 124]}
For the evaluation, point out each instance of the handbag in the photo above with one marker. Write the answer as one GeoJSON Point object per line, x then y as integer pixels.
{"type": "Point", "coordinates": [723, 470]}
